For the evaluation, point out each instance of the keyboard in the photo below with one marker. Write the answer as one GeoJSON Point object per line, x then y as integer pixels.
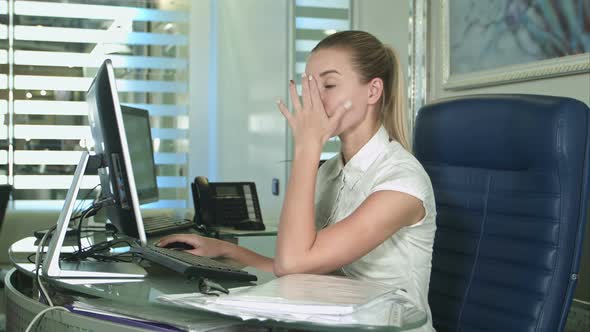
{"type": "Point", "coordinates": [192, 265]}
{"type": "Point", "coordinates": [157, 225]}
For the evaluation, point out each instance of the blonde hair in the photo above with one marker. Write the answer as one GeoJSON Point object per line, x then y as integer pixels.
{"type": "Point", "coordinates": [372, 59]}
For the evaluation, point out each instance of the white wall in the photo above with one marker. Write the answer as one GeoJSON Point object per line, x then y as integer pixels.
{"type": "Point", "coordinates": [200, 90]}
{"type": "Point", "coordinates": [253, 72]}
{"type": "Point", "coordinates": [239, 67]}
{"type": "Point", "coordinates": [388, 20]}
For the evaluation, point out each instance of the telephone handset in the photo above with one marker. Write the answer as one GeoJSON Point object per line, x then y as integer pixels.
{"type": "Point", "coordinates": [226, 204]}
{"type": "Point", "coordinates": [202, 201]}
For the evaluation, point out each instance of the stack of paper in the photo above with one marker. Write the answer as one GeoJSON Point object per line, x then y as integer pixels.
{"type": "Point", "coordinates": [310, 298]}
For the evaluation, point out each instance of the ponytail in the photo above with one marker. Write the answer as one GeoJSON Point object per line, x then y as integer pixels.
{"type": "Point", "coordinates": [393, 106]}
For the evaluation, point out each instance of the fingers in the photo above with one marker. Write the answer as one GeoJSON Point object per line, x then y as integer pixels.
{"type": "Point", "coordinates": [285, 111]}
{"type": "Point", "coordinates": [185, 238]}
{"type": "Point", "coordinates": [294, 96]}
{"type": "Point", "coordinates": [167, 239]}
{"type": "Point", "coordinates": [305, 91]}
{"type": "Point", "coordinates": [339, 113]}
{"type": "Point", "coordinates": [310, 94]}
{"type": "Point", "coordinates": [316, 99]}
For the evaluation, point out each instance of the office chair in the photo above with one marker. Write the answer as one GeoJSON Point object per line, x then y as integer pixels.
{"type": "Point", "coordinates": [511, 179]}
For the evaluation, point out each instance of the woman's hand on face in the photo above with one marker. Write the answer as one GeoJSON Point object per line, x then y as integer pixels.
{"type": "Point", "coordinates": [309, 122]}
{"type": "Point", "coordinates": [202, 246]}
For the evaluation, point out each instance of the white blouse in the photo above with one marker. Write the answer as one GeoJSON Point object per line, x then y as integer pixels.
{"type": "Point", "coordinates": [403, 260]}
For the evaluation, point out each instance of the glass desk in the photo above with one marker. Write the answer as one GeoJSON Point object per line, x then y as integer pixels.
{"type": "Point", "coordinates": [137, 298]}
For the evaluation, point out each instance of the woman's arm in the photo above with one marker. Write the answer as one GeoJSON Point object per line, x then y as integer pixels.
{"type": "Point", "coordinates": [300, 248]}
{"type": "Point", "coordinates": [250, 258]}
{"type": "Point", "coordinates": [311, 128]}
{"type": "Point", "coordinates": [297, 232]}
{"type": "Point", "coordinates": [381, 215]}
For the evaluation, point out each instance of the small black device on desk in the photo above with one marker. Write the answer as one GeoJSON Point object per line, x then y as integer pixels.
{"type": "Point", "coordinates": [178, 246]}
{"type": "Point", "coordinates": [232, 204]}
{"type": "Point", "coordinates": [250, 225]}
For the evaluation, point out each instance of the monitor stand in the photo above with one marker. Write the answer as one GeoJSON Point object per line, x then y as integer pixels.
{"type": "Point", "coordinates": [85, 269]}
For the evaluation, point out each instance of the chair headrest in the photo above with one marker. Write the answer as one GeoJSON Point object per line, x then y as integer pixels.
{"type": "Point", "coordinates": [456, 131]}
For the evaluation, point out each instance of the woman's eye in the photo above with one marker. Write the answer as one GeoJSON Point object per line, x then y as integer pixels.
{"type": "Point", "coordinates": [328, 86]}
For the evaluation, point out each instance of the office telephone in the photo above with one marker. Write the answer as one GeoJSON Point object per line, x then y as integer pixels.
{"type": "Point", "coordinates": [233, 204]}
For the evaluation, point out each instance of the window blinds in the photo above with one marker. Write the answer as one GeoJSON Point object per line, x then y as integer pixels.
{"type": "Point", "coordinates": [49, 53]}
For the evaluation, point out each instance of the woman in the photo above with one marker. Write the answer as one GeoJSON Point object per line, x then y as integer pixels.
{"type": "Point", "coordinates": [368, 212]}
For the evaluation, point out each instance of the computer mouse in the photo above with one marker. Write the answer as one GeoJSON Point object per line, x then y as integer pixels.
{"type": "Point", "coordinates": [178, 246]}
{"type": "Point", "coordinates": [250, 225]}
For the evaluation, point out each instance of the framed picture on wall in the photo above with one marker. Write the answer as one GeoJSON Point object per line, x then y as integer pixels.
{"type": "Point", "coordinates": [503, 41]}
{"type": "Point", "coordinates": [417, 73]}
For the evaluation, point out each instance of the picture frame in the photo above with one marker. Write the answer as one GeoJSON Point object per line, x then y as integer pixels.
{"type": "Point", "coordinates": [418, 57]}
{"type": "Point", "coordinates": [501, 74]}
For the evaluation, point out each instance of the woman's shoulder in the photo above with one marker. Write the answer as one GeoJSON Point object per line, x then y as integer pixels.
{"type": "Point", "coordinates": [399, 168]}
{"type": "Point", "coordinates": [397, 158]}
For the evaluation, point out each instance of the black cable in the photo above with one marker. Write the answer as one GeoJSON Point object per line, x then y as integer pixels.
{"type": "Point", "coordinates": [91, 251]}
{"type": "Point", "coordinates": [92, 210]}
{"type": "Point", "coordinates": [79, 233]}
{"type": "Point", "coordinates": [75, 214]}
{"type": "Point", "coordinates": [96, 251]}
{"type": "Point", "coordinates": [126, 257]}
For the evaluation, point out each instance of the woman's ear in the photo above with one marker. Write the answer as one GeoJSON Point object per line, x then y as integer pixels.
{"type": "Point", "coordinates": [375, 90]}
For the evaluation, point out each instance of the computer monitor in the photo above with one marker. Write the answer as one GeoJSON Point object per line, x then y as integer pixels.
{"type": "Point", "coordinates": [111, 142]}
{"type": "Point", "coordinates": [141, 149]}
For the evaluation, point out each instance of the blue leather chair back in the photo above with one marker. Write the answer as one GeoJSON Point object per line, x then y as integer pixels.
{"type": "Point", "coordinates": [510, 176]}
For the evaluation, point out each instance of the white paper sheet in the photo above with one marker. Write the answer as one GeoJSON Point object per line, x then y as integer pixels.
{"type": "Point", "coordinates": [308, 298]}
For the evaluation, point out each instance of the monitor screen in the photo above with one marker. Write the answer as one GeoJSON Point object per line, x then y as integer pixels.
{"type": "Point", "coordinates": [110, 142]}
{"type": "Point", "coordinates": [139, 138]}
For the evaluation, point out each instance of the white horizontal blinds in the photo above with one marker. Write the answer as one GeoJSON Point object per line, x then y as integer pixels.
{"type": "Point", "coordinates": [4, 92]}
{"type": "Point", "coordinates": [58, 46]}
{"type": "Point", "coordinates": [314, 20]}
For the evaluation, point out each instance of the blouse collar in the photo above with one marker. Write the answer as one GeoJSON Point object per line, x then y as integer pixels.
{"type": "Point", "coordinates": [360, 162]}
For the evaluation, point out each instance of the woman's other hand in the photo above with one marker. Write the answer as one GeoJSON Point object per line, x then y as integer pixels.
{"type": "Point", "coordinates": [202, 246]}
